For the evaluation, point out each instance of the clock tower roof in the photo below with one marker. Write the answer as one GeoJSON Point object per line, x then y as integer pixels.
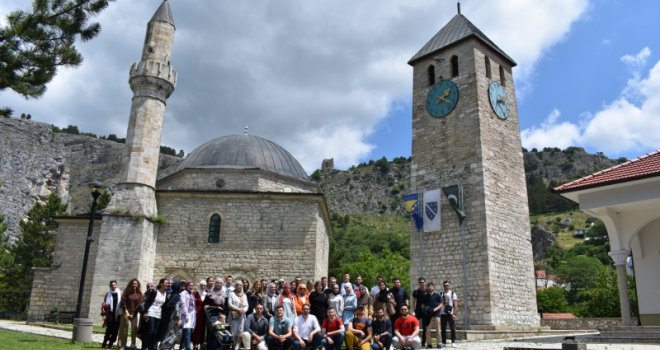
{"type": "Point", "coordinates": [458, 29]}
{"type": "Point", "coordinates": [163, 14]}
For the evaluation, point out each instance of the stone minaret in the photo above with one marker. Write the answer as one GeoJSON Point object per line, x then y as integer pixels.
{"type": "Point", "coordinates": [465, 132]}
{"type": "Point", "coordinates": [127, 244]}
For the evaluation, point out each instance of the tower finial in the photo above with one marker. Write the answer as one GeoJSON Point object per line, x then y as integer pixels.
{"type": "Point", "coordinates": [246, 130]}
{"type": "Point", "coordinates": [458, 6]}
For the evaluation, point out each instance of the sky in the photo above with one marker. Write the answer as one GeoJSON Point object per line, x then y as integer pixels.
{"type": "Point", "coordinates": [330, 79]}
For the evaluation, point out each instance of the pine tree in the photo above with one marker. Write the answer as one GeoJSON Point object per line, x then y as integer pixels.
{"type": "Point", "coordinates": [35, 43]}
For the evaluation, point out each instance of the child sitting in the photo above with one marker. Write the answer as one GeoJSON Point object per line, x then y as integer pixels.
{"type": "Point", "coordinates": [221, 329]}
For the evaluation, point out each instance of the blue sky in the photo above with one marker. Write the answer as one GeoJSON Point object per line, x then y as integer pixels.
{"type": "Point", "coordinates": [329, 79]}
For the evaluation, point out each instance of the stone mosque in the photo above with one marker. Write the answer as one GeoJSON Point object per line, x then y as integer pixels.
{"type": "Point", "coordinates": [243, 205]}
{"type": "Point", "coordinates": [237, 204]}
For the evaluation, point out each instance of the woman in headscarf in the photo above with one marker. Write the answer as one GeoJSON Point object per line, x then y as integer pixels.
{"type": "Point", "coordinates": [238, 306]}
{"type": "Point", "coordinates": [336, 301]}
{"type": "Point", "coordinates": [199, 331]}
{"type": "Point", "coordinates": [318, 302]}
{"type": "Point", "coordinates": [350, 304]}
{"type": "Point", "coordinates": [301, 298]}
{"type": "Point", "coordinates": [131, 299]}
{"type": "Point", "coordinates": [384, 300]}
{"type": "Point", "coordinates": [214, 303]}
{"type": "Point", "coordinates": [171, 322]}
{"type": "Point", "coordinates": [188, 315]}
{"type": "Point", "coordinates": [286, 299]}
{"type": "Point", "coordinates": [111, 305]}
{"type": "Point", "coordinates": [367, 301]}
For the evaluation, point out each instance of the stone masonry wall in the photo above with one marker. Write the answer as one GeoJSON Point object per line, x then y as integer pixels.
{"type": "Point", "coordinates": [235, 180]}
{"type": "Point", "coordinates": [56, 288]}
{"type": "Point", "coordinates": [582, 323]}
{"type": "Point", "coordinates": [472, 147]}
{"type": "Point", "coordinates": [445, 153]}
{"type": "Point", "coordinates": [260, 236]}
{"type": "Point", "coordinates": [507, 212]}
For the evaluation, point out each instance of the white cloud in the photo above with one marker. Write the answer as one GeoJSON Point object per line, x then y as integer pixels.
{"type": "Point", "coordinates": [317, 77]}
{"type": "Point", "coordinates": [630, 123]}
{"type": "Point", "coordinates": [551, 133]}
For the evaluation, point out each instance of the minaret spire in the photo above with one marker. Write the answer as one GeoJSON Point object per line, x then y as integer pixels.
{"type": "Point", "coordinates": [458, 6]}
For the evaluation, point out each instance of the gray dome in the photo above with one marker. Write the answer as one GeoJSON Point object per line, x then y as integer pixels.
{"type": "Point", "coordinates": [244, 151]}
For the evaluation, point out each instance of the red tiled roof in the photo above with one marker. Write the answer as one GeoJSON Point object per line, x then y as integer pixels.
{"type": "Point", "coordinates": [639, 168]}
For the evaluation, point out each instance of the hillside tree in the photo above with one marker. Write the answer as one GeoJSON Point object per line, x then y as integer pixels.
{"type": "Point", "coordinates": [35, 43]}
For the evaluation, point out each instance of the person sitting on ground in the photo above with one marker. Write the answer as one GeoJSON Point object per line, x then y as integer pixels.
{"type": "Point", "coordinates": [333, 331]}
{"type": "Point", "coordinates": [406, 331]}
{"type": "Point", "coordinates": [359, 333]}
{"type": "Point", "coordinates": [280, 334]}
{"type": "Point", "coordinates": [256, 328]}
{"type": "Point", "coordinates": [382, 331]}
{"type": "Point", "coordinates": [306, 330]}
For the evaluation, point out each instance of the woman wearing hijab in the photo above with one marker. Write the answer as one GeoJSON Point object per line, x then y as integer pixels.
{"type": "Point", "coordinates": [238, 306]}
{"type": "Point", "coordinates": [188, 315]}
{"type": "Point", "coordinates": [171, 322]}
{"type": "Point", "coordinates": [336, 301]}
{"type": "Point", "coordinates": [111, 305]}
{"type": "Point", "coordinates": [301, 298]}
{"type": "Point", "coordinates": [318, 302]}
{"type": "Point", "coordinates": [286, 299]}
{"type": "Point", "coordinates": [199, 331]}
{"type": "Point", "coordinates": [366, 301]}
{"type": "Point", "coordinates": [350, 304]}
{"type": "Point", "coordinates": [214, 303]}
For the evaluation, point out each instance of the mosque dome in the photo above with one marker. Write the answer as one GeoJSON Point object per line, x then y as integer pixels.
{"type": "Point", "coordinates": [244, 151]}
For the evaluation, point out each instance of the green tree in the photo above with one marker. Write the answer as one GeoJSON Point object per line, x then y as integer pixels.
{"type": "Point", "coordinates": [35, 43]}
{"type": "Point", "coordinates": [552, 300]}
{"type": "Point", "coordinates": [33, 248]}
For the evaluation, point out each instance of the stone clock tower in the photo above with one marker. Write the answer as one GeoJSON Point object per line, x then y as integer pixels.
{"type": "Point", "coordinates": [466, 136]}
{"type": "Point", "coordinates": [127, 243]}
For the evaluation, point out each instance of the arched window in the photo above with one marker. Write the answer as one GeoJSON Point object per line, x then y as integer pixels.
{"type": "Point", "coordinates": [214, 229]}
{"type": "Point", "coordinates": [487, 62]}
{"type": "Point", "coordinates": [502, 79]}
{"type": "Point", "coordinates": [431, 72]}
{"type": "Point", "coordinates": [454, 66]}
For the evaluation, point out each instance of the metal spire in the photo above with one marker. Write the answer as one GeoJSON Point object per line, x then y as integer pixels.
{"type": "Point", "coordinates": [246, 130]}
{"type": "Point", "coordinates": [458, 6]}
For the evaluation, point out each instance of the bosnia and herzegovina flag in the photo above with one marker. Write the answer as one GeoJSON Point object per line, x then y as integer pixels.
{"type": "Point", "coordinates": [411, 203]}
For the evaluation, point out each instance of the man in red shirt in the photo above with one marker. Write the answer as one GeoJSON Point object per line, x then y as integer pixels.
{"type": "Point", "coordinates": [406, 331]}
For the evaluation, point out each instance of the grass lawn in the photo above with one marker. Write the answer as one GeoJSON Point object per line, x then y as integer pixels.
{"type": "Point", "coordinates": [27, 341]}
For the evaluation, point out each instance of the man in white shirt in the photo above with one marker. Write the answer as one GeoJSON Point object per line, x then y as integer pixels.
{"type": "Point", "coordinates": [306, 330]}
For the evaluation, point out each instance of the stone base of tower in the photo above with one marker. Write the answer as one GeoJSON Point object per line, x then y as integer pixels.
{"type": "Point", "coordinates": [126, 249]}
{"type": "Point", "coordinates": [133, 199]}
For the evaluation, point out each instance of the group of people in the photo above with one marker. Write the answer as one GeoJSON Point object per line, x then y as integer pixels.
{"type": "Point", "coordinates": [278, 315]}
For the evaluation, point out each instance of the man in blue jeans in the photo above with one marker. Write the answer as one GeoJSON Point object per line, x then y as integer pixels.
{"type": "Point", "coordinates": [333, 331]}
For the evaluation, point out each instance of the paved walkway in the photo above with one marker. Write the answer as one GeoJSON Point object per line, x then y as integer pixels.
{"type": "Point", "coordinates": [532, 343]}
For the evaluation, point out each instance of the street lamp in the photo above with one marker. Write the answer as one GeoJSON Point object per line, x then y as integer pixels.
{"type": "Point", "coordinates": [82, 327]}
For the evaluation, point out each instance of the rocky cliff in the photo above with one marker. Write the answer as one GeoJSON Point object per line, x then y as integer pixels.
{"type": "Point", "coordinates": [35, 162]}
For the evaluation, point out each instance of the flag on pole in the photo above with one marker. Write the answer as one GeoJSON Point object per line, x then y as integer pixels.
{"type": "Point", "coordinates": [432, 210]}
{"type": "Point", "coordinates": [411, 203]}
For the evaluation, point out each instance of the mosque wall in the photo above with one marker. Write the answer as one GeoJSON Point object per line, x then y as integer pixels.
{"type": "Point", "coordinates": [261, 236]}
{"type": "Point", "coordinates": [235, 180]}
{"type": "Point", "coordinates": [55, 288]}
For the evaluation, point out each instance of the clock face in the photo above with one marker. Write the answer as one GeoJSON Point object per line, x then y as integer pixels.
{"type": "Point", "coordinates": [499, 100]}
{"type": "Point", "coordinates": [442, 98]}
